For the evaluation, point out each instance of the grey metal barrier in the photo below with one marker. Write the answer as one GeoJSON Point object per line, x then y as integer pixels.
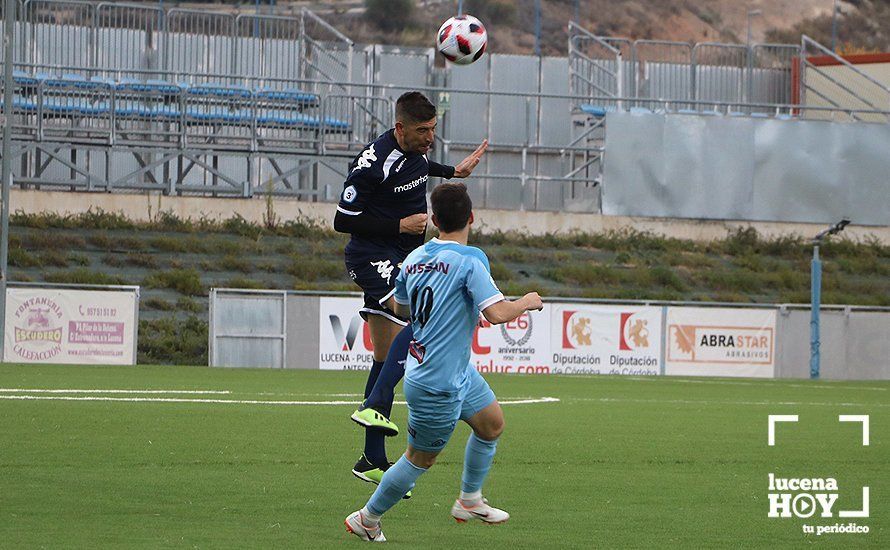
{"type": "Point", "coordinates": [663, 69]}
{"type": "Point", "coordinates": [248, 328]}
{"type": "Point", "coordinates": [745, 168]}
{"type": "Point", "coordinates": [720, 71]}
{"type": "Point", "coordinates": [771, 79]}
{"type": "Point", "coordinates": [839, 83]}
{"type": "Point", "coordinates": [129, 36]}
{"type": "Point", "coordinates": [200, 43]}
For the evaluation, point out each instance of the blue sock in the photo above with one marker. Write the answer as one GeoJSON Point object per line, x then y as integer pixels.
{"type": "Point", "coordinates": [396, 482]}
{"type": "Point", "coordinates": [477, 462]}
{"type": "Point", "coordinates": [373, 375]}
{"type": "Point", "coordinates": [375, 441]}
{"type": "Point", "coordinates": [381, 396]}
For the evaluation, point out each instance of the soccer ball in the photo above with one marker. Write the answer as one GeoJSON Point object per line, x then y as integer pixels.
{"type": "Point", "coordinates": [462, 39]}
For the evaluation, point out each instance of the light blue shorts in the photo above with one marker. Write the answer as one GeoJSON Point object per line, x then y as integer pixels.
{"type": "Point", "coordinates": [433, 416]}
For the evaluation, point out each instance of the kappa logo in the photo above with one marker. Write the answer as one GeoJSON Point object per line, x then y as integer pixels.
{"type": "Point", "coordinates": [364, 161]}
{"type": "Point", "coordinates": [384, 268]}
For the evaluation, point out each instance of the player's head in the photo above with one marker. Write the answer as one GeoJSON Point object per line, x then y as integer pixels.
{"type": "Point", "coordinates": [452, 207]}
{"type": "Point", "coordinates": [415, 122]}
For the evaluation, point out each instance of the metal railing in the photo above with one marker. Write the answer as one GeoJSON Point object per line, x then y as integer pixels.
{"type": "Point", "coordinates": [660, 69]}
{"type": "Point", "coordinates": [838, 82]}
{"type": "Point", "coordinates": [131, 38]}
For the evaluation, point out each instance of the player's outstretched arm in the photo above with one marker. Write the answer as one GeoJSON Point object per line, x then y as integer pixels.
{"type": "Point", "coordinates": [466, 166]}
{"type": "Point", "coordinates": [506, 310]}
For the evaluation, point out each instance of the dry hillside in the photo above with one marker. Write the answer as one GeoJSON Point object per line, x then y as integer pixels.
{"type": "Point", "coordinates": [511, 23]}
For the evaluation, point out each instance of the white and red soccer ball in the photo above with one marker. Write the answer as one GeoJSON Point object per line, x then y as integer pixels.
{"type": "Point", "coordinates": [462, 39]}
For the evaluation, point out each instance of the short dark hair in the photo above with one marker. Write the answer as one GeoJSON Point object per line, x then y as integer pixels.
{"type": "Point", "coordinates": [452, 206]}
{"type": "Point", "coordinates": [414, 107]}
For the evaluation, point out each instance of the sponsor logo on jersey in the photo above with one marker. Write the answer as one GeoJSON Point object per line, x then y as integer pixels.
{"type": "Point", "coordinates": [411, 185]}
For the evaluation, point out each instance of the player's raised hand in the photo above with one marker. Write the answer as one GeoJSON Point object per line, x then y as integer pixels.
{"type": "Point", "coordinates": [466, 166]}
{"type": "Point", "coordinates": [533, 302]}
{"type": "Point", "coordinates": [413, 225]}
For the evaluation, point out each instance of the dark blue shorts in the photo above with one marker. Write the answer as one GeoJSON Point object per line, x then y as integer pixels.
{"type": "Point", "coordinates": [376, 274]}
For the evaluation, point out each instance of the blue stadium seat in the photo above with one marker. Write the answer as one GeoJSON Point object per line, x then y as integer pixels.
{"type": "Point", "coordinates": [294, 119]}
{"type": "Point", "coordinates": [157, 86]}
{"type": "Point", "coordinates": [220, 115]}
{"type": "Point", "coordinates": [291, 95]}
{"type": "Point", "coordinates": [74, 81]}
{"type": "Point", "coordinates": [287, 118]}
{"type": "Point", "coordinates": [596, 110]}
{"type": "Point", "coordinates": [219, 90]}
{"type": "Point", "coordinates": [23, 78]}
{"type": "Point", "coordinates": [19, 104]}
{"type": "Point", "coordinates": [73, 106]}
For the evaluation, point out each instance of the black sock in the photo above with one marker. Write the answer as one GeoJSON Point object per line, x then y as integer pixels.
{"type": "Point", "coordinates": [375, 441]}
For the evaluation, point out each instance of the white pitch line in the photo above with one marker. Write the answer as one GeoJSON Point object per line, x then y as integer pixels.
{"type": "Point", "coordinates": [719, 403]}
{"type": "Point", "coordinates": [228, 401]}
{"type": "Point", "coordinates": [190, 392]}
{"type": "Point", "coordinates": [773, 382]}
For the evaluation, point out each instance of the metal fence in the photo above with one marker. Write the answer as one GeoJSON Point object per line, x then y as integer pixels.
{"type": "Point", "coordinates": [828, 79]}
{"type": "Point", "coordinates": [605, 67]}
{"type": "Point", "coordinates": [142, 41]}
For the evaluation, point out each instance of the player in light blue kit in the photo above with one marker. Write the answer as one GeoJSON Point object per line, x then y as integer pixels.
{"type": "Point", "coordinates": [443, 285]}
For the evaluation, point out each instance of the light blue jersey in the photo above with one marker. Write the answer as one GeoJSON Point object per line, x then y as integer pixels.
{"type": "Point", "coordinates": [445, 285]}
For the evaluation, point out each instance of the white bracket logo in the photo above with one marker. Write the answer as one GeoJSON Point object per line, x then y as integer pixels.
{"type": "Point", "coordinates": [782, 504]}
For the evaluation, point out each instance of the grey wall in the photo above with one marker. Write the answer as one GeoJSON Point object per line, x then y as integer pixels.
{"type": "Point", "coordinates": [724, 167]}
{"type": "Point", "coordinates": [854, 345]}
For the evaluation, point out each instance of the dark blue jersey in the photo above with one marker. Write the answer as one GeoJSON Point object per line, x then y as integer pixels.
{"type": "Point", "coordinates": [386, 183]}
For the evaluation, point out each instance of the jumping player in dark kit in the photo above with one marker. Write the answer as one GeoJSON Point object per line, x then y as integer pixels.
{"type": "Point", "coordinates": [384, 207]}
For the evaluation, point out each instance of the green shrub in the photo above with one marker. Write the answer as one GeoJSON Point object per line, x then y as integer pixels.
{"type": "Point", "coordinates": [314, 269]}
{"type": "Point", "coordinates": [186, 303]}
{"type": "Point", "coordinates": [19, 257]}
{"type": "Point", "coordinates": [184, 281]}
{"type": "Point", "coordinates": [83, 276]}
{"type": "Point", "coordinates": [158, 304]}
{"type": "Point", "coordinates": [53, 240]}
{"type": "Point", "coordinates": [170, 341]}
{"type": "Point", "coordinates": [141, 260]}
{"type": "Point", "coordinates": [235, 263]}
{"type": "Point", "coordinates": [500, 272]}
{"type": "Point", "coordinates": [242, 282]}
{"type": "Point", "coordinates": [667, 278]}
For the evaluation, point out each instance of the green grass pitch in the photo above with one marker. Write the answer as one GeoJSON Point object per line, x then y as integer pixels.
{"type": "Point", "coordinates": [616, 462]}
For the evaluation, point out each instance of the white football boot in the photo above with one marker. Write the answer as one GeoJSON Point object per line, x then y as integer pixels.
{"type": "Point", "coordinates": [357, 527]}
{"type": "Point", "coordinates": [481, 511]}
